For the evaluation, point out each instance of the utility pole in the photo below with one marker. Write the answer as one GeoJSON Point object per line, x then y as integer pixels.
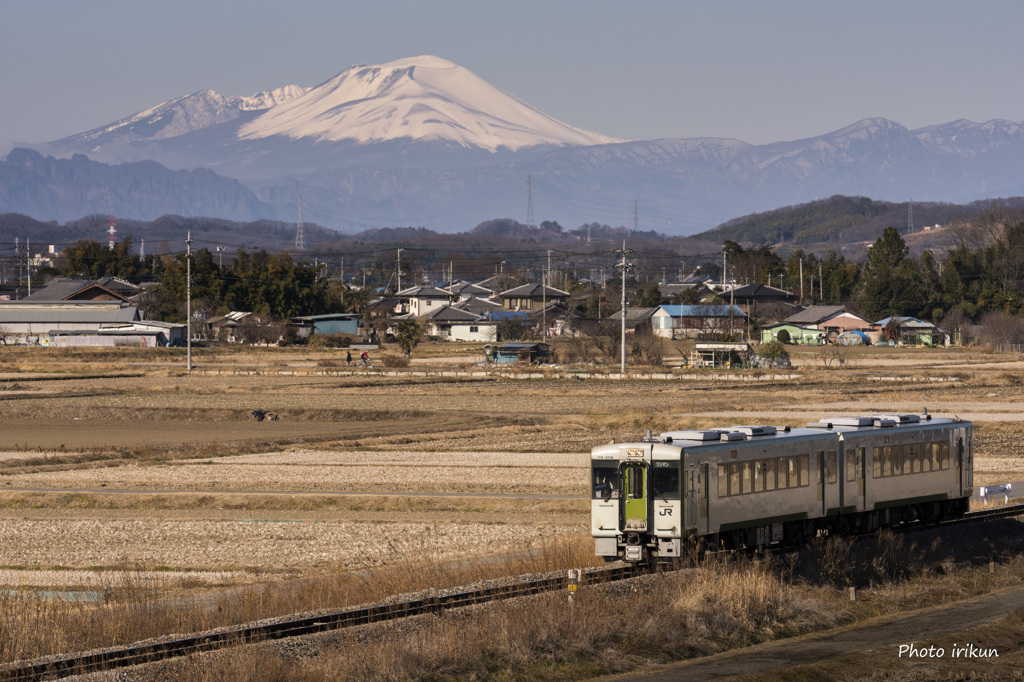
{"type": "Point", "coordinates": [544, 308]}
{"type": "Point", "coordinates": [399, 269]}
{"type": "Point", "coordinates": [801, 280]}
{"type": "Point", "coordinates": [188, 301]}
{"type": "Point", "coordinates": [625, 266]}
{"type": "Point", "coordinates": [821, 283]}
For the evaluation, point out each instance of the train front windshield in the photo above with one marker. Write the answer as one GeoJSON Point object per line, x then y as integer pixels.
{"type": "Point", "coordinates": [605, 478]}
{"type": "Point", "coordinates": [665, 480]}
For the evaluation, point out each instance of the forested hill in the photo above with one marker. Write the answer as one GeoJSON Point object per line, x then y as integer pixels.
{"type": "Point", "coordinates": [167, 233]}
{"type": "Point", "coordinates": [827, 223]}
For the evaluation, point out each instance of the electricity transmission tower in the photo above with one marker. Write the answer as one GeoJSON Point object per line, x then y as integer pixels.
{"type": "Point", "coordinates": [529, 200]}
{"type": "Point", "coordinates": [300, 237]}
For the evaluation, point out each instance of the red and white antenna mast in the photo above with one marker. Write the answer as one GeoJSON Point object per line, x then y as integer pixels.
{"type": "Point", "coordinates": [111, 231]}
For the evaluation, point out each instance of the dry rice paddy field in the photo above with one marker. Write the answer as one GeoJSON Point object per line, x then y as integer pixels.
{"type": "Point", "coordinates": [115, 460]}
{"type": "Point", "coordinates": [112, 458]}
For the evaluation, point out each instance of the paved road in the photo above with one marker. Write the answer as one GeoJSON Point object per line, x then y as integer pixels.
{"type": "Point", "coordinates": [878, 634]}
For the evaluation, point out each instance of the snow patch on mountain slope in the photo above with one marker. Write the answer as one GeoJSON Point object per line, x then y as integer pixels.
{"type": "Point", "coordinates": [424, 98]}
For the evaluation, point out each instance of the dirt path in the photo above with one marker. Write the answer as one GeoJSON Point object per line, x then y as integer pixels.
{"type": "Point", "coordinates": [885, 633]}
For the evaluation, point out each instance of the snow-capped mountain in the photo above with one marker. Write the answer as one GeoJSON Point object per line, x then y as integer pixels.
{"type": "Point", "coordinates": [423, 141]}
{"type": "Point", "coordinates": [422, 98]}
{"type": "Point", "coordinates": [182, 115]}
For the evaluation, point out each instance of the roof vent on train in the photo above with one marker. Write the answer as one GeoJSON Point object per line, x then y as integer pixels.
{"type": "Point", "coordinates": [901, 418]}
{"type": "Point", "coordinates": [841, 421]}
{"type": "Point", "coordinates": [711, 434]}
{"type": "Point", "coordinates": [756, 430]}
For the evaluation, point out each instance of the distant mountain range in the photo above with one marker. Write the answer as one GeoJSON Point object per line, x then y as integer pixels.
{"type": "Point", "coordinates": [424, 142]}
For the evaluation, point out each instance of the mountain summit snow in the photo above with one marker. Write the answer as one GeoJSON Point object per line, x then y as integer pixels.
{"type": "Point", "coordinates": [422, 98]}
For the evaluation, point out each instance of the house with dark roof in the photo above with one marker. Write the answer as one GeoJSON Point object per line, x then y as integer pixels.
{"type": "Point", "coordinates": [753, 299]}
{"type": "Point", "coordinates": [104, 289]}
{"type": "Point", "coordinates": [478, 305]}
{"type": "Point", "coordinates": [454, 324]}
{"type": "Point", "coordinates": [532, 297]}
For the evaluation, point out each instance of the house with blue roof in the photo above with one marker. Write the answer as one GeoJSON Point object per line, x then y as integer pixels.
{"type": "Point", "coordinates": [703, 321]}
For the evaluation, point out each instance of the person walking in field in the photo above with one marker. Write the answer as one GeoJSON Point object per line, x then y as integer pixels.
{"type": "Point", "coordinates": [365, 358]}
{"type": "Point", "coordinates": [348, 358]}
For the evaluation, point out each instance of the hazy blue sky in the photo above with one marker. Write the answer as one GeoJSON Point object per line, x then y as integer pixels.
{"type": "Point", "coordinates": [758, 71]}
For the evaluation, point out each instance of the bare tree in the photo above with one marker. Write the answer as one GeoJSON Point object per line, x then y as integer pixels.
{"type": "Point", "coordinates": [6, 333]}
{"type": "Point", "coordinates": [608, 337]}
{"type": "Point", "coordinates": [648, 348]}
{"type": "Point", "coordinates": [254, 329]}
{"type": "Point", "coordinates": [579, 349]}
{"type": "Point", "coordinates": [958, 324]}
{"type": "Point", "coordinates": [1000, 328]}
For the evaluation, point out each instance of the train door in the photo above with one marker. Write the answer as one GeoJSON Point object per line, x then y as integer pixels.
{"type": "Point", "coordinates": [691, 497]}
{"type": "Point", "coordinates": [862, 458]}
{"type": "Point", "coordinates": [703, 486]}
{"type": "Point", "coordinates": [634, 484]}
{"type": "Point", "coordinates": [821, 481]}
{"type": "Point", "coordinates": [959, 434]}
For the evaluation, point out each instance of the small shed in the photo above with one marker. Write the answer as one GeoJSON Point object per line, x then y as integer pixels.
{"type": "Point", "coordinates": [724, 354]}
{"type": "Point", "coordinates": [853, 338]}
{"type": "Point", "coordinates": [511, 353]}
{"type": "Point", "coordinates": [333, 323]}
{"type": "Point", "coordinates": [797, 334]}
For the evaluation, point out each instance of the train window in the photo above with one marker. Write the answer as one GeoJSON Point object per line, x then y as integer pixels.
{"type": "Point", "coordinates": [886, 461]}
{"type": "Point", "coordinates": [897, 460]}
{"type": "Point", "coordinates": [784, 467]}
{"type": "Point", "coordinates": [606, 480]}
{"type": "Point", "coordinates": [851, 466]}
{"type": "Point", "coordinates": [804, 470]}
{"type": "Point", "coordinates": [745, 475]}
{"type": "Point", "coordinates": [734, 478]}
{"type": "Point", "coordinates": [945, 455]}
{"type": "Point", "coordinates": [723, 481]}
{"type": "Point", "coordinates": [665, 481]}
{"type": "Point", "coordinates": [758, 475]}
{"type": "Point", "coordinates": [833, 467]}
{"type": "Point", "coordinates": [876, 467]}
{"type": "Point", "coordinates": [770, 466]}
{"type": "Point", "coordinates": [915, 457]}
{"type": "Point", "coordinates": [926, 457]}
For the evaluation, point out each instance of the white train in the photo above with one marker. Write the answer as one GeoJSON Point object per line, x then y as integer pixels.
{"type": "Point", "coordinates": [750, 486]}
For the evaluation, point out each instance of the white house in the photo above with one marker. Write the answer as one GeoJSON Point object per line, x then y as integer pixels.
{"type": "Point", "coordinates": [689, 321]}
{"type": "Point", "coordinates": [418, 301]}
{"type": "Point", "coordinates": [453, 324]}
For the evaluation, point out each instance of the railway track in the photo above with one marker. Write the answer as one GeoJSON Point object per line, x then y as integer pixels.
{"type": "Point", "coordinates": [54, 667]}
